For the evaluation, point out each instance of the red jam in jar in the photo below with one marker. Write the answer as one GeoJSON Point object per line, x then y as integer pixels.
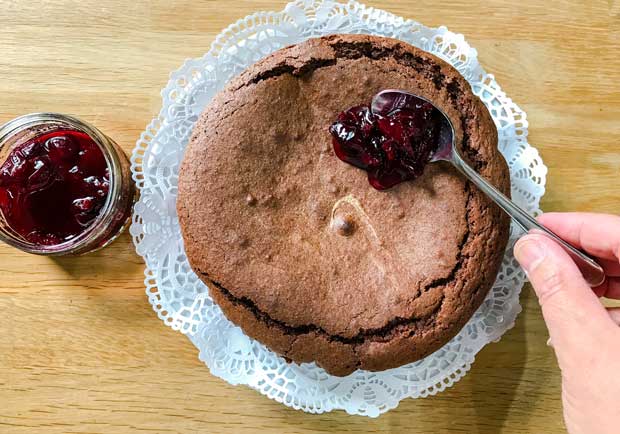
{"type": "Point", "coordinates": [65, 188]}
{"type": "Point", "coordinates": [64, 172]}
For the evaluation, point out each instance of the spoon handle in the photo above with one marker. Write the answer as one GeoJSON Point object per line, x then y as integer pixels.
{"type": "Point", "coordinates": [592, 272]}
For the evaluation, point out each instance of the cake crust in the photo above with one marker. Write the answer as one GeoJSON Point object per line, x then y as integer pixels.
{"type": "Point", "coordinates": [262, 200]}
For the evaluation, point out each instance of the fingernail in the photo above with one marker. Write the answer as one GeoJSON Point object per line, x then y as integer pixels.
{"type": "Point", "coordinates": [529, 253]}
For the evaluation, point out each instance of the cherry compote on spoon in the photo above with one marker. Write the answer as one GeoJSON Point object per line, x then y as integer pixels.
{"type": "Point", "coordinates": [392, 145]}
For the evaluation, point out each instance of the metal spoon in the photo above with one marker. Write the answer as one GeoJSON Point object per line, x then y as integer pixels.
{"type": "Point", "coordinates": [389, 100]}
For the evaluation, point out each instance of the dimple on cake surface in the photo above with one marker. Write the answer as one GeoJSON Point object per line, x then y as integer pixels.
{"type": "Point", "coordinates": [295, 245]}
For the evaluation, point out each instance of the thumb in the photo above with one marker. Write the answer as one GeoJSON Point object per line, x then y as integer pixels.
{"type": "Point", "coordinates": [572, 312]}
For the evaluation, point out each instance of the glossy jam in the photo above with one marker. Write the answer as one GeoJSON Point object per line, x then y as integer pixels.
{"type": "Point", "coordinates": [53, 186]}
{"type": "Point", "coordinates": [392, 148]}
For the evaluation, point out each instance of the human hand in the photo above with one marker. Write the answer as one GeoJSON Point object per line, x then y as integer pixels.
{"type": "Point", "coordinates": [584, 334]}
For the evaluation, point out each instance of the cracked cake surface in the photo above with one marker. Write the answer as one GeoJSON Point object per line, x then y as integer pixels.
{"type": "Point", "coordinates": [295, 245]}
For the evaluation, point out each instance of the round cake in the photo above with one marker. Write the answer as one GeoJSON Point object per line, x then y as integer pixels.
{"type": "Point", "coordinates": [294, 244]}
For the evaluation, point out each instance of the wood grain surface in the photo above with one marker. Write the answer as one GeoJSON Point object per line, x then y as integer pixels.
{"type": "Point", "coordinates": [81, 351]}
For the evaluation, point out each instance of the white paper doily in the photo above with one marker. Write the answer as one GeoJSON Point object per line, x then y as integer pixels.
{"type": "Point", "coordinates": [181, 300]}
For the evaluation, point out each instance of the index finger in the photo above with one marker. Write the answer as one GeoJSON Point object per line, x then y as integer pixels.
{"type": "Point", "coordinates": [597, 234]}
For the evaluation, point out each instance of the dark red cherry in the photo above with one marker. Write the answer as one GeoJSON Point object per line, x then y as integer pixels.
{"type": "Point", "coordinates": [62, 149]}
{"type": "Point", "coordinates": [90, 159]}
{"type": "Point", "coordinates": [42, 175]}
{"type": "Point", "coordinates": [84, 204]}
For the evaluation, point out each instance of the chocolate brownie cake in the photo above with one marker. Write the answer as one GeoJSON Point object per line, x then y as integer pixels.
{"type": "Point", "coordinates": [295, 245]}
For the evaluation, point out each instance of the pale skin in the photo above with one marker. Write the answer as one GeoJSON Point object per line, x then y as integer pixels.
{"type": "Point", "coordinates": [584, 334]}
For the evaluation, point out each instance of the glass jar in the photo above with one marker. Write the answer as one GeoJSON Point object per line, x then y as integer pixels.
{"type": "Point", "coordinates": [114, 210]}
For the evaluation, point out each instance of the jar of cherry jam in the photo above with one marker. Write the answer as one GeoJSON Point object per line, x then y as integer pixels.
{"type": "Point", "coordinates": [65, 187]}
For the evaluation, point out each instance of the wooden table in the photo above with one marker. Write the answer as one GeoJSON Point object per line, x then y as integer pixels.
{"type": "Point", "coordinates": [81, 351]}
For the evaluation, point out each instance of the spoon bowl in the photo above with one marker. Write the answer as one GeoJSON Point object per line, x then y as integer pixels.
{"type": "Point", "coordinates": [390, 100]}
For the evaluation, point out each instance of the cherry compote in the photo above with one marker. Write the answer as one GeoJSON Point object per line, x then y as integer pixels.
{"type": "Point", "coordinates": [53, 186]}
{"type": "Point", "coordinates": [392, 148]}
{"type": "Point", "coordinates": [65, 187]}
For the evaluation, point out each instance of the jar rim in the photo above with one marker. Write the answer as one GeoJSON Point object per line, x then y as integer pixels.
{"type": "Point", "coordinates": [100, 223]}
